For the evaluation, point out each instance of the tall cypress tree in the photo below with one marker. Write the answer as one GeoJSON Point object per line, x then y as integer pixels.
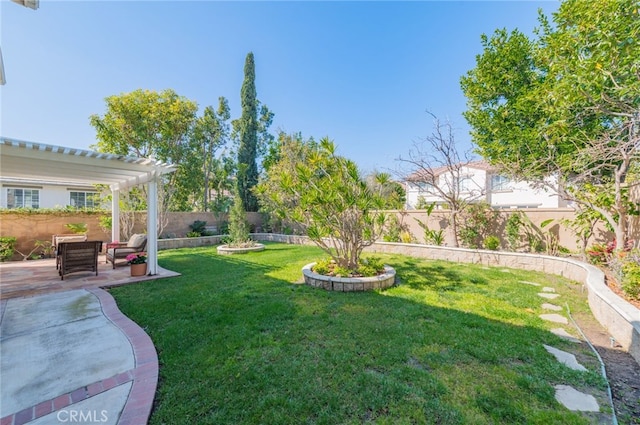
{"type": "Point", "coordinates": [247, 152]}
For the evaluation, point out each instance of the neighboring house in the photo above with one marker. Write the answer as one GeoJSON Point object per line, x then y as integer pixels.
{"type": "Point", "coordinates": [27, 193]}
{"type": "Point", "coordinates": [478, 181]}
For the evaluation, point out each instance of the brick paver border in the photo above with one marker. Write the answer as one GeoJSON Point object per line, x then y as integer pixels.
{"type": "Point", "coordinates": [145, 373]}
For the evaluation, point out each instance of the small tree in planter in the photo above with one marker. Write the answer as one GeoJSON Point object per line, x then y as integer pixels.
{"type": "Point", "coordinates": [238, 225]}
{"type": "Point", "coordinates": [238, 241]}
{"type": "Point", "coordinates": [326, 195]}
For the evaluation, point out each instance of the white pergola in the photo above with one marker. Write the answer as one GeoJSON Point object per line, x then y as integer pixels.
{"type": "Point", "coordinates": [28, 160]}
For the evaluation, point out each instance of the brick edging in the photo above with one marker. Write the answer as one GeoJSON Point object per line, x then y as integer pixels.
{"type": "Point", "coordinates": [137, 408]}
{"type": "Point", "coordinates": [67, 399]}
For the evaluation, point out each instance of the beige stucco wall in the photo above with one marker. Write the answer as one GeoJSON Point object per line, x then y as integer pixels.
{"type": "Point", "coordinates": [28, 228]}
{"type": "Point", "coordinates": [439, 219]}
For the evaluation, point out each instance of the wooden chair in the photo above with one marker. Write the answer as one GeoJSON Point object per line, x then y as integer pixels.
{"type": "Point", "coordinates": [78, 256]}
{"type": "Point", "coordinates": [137, 243]}
{"type": "Point", "coordinates": [56, 239]}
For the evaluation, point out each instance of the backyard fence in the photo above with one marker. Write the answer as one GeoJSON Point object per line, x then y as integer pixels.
{"type": "Point", "coordinates": [28, 228]}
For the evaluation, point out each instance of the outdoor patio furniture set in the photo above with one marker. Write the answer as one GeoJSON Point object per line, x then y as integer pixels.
{"type": "Point", "coordinates": [74, 253]}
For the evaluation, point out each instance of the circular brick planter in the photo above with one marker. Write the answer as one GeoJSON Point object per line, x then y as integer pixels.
{"type": "Point", "coordinates": [227, 250]}
{"type": "Point", "coordinates": [349, 284]}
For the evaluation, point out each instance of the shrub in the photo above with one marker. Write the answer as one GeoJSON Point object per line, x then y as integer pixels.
{"type": "Point", "coordinates": [393, 229]}
{"type": "Point", "coordinates": [46, 247]}
{"type": "Point", "coordinates": [367, 267]}
{"type": "Point", "coordinates": [626, 267]}
{"type": "Point", "coordinates": [407, 237]}
{"type": "Point", "coordinates": [322, 266]}
{"type": "Point", "coordinates": [492, 243]}
{"type": "Point", "coordinates": [512, 229]}
{"type": "Point", "coordinates": [631, 277]}
{"type": "Point", "coordinates": [433, 237]}
{"type": "Point", "coordinates": [476, 220]}
{"type": "Point", "coordinates": [7, 247]}
{"type": "Point", "coordinates": [198, 227]}
{"type": "Point", "coordinates": [371, 266]}
{"type": "Point", "coordinates": [600, 254]}
{"type": "Point", "coordinates": [193, 234]}
{"type": "Point", "coordinates": [77, 227]}
{"type": "Point", "coordinates": [105, 223]}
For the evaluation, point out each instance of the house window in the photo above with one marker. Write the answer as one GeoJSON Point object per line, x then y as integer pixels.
{"type": "Point", "coordinates": [23, 198]}
{"type": "Point", "coordinates": [84, 200]}
{"type": "Point", "coordinates": [465, 184]}
{"type": "Point", "coordinates": [500, 183]}
{"type": "Point", "coordinates": [426, 187]}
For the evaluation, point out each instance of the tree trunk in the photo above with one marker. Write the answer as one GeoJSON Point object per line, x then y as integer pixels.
{"type": "Point", "coordinates": [454, 227]}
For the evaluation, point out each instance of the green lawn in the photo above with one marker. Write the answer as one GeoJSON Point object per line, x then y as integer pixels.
{"type": "Point", "coordinates": [240, 341]}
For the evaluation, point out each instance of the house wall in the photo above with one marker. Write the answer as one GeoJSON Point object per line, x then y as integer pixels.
{"type": "Point", "coordinates": [522, 195]}
{"type": "Point", "coordinates": [50, 196]}
{"type": "Point", "coordinates": [517, 195]}
{"type": "Point", "coordinates": [477, 184]}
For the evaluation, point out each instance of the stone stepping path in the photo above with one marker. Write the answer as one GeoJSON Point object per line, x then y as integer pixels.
{"type": "Point", "coordinates": [530, 283]}
{"type": "Point", "coordinates": [575, 400]}
{"type": "Point", "coordinates": [555, 318]}
{"type": "Point", "coordinates": [553, 307]}
{"type": "Point", "coordinates": [564, 334]}
{"type": "Point", "coordinates": [566, 395]}
{"type": "Point", "coordinates": [565, 358]}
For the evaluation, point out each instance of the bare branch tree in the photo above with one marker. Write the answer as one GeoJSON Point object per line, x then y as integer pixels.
{"type": "Point", "coordinates": [437, 164]}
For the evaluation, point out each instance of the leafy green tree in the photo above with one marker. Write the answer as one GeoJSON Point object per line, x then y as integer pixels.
{"type": "Point", "coordinates": [211, 132]}
{"type": "Point", "coordinates": [285, 155]}
{"type": "Point", "coordinates": [325, 194]}
{"type": "Point", "coordinates": [146, 123]}
{"type": "Point", "coordinates": [222, 183]}
{"type": "Point", "coordinates": [564, 108]}
{"type": "Point", "coordinates": [391, 191]}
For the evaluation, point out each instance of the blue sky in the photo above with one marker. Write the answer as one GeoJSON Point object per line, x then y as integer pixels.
{"type": "Point", "coordinates": [362, 73]}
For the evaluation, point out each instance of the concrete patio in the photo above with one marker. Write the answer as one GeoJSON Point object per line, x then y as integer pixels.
{"type": "Point", "coordinates": [67, 353]}
{"type": "Point", "coordinates": [26, 278]}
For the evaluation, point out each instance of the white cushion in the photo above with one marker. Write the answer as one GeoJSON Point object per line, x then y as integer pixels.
{"type": "Point", "coordinates": [122, 252]}
{"type": "Point", "coordinates": [136, 240]}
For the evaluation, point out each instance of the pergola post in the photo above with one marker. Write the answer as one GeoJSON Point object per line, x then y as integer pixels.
{"type": "Point", "coordinates": [152, 226]}
{"type": "Point", "coordinates": [115, 214]}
